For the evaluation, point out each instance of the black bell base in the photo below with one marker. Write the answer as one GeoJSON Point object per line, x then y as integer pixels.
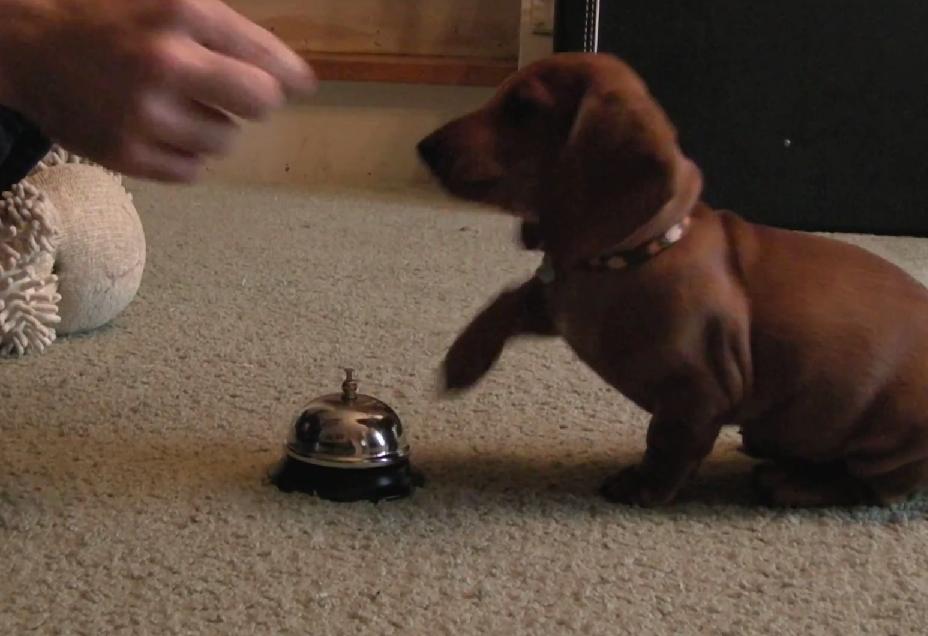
{"type": "Point", "coordinates": [346, 484]}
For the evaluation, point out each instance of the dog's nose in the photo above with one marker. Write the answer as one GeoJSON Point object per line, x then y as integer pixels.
{"type": "Point", "coordinates": [430, 151]}
{"type": "Point", "coordinates": [530, 235]}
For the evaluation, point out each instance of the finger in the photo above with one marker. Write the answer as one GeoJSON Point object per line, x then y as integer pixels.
{"type": "Point", "coordinates": [158, 162]}
{"type": "Point", "coordinates": [188, 126]}
{"type": "Point", "coordinates": [227, 84]}
{"type": "Point", "coordinates": [220, 28]}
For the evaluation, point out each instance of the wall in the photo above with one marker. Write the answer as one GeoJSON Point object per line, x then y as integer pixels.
{"type": "Point", "coordinates": [360, 134]}
{"type": "Point", "coordinates": [349, 133]}
{"type": "Point", "coordinates": [468, 28]}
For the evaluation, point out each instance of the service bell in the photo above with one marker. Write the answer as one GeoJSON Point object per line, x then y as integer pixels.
{"type": "Point", "coordinates": [347, 447]}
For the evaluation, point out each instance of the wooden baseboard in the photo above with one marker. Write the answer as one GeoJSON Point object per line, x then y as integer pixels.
{"type": "Point", "coordinates": [410, 69]}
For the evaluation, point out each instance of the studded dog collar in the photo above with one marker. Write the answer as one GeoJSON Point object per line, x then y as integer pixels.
{"type": "Point", "coordinates": [623, 259]}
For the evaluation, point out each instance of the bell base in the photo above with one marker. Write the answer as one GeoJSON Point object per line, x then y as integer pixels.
{"type": "Point", "coordinates": [385, 483]}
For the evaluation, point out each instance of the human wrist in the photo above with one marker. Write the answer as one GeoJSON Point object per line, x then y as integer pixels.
{"type": "Point", "coordinates": [6, 89]}
{"type": "Point", "coordinates": [7, 44]}
{"type": "Point", "coordinates": [20, 27]}
{"type": "Point", "coordinates": [10, 97]}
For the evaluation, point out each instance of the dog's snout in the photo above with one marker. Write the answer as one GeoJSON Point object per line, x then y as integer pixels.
{"type": "Point", "coordinates": [430, 151]}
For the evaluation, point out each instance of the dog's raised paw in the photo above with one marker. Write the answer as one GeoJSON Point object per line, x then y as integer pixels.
{"type": "Point", "coordinates": [451, 387]}
{"type": "Point", "coordinates": [457, 377]}
{"type": "Point", "coordinates": [469, 359]}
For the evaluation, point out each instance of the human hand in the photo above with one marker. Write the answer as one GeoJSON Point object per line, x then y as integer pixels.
{"type": "Point", "coordinates": [149, 88]}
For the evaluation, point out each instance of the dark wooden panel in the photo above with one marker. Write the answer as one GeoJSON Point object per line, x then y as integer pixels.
{"type": "Point", "coordinates": [410, 69]}
{"type": "Point", "coordinates": [809, 114]}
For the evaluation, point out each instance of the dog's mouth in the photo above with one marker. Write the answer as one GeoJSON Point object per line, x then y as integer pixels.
{"type": "Point", "coordinates": [478, 186]}
{"type": "Point", "coordinates": [496, 193]}
{"type": "Point", "coordinates": [463, 177]}
{"type": "Point", "coordinates": [481, 189]}
{"type": "Point", "coordinates": [473, 179]}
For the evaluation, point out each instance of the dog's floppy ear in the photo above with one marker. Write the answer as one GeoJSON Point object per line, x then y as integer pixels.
{"type": "Point", "coordinates": [618, 169]}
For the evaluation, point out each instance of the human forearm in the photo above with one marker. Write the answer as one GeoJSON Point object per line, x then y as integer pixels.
{"type": "Point", "coordinates": [148, 87]}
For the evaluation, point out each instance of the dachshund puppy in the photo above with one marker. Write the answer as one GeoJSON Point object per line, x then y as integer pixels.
{"type": "Point", "coordinates": [816, 349]}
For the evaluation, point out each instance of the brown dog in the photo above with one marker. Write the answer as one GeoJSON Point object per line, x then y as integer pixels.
{"type": "Point", "coordinates": [818, 350]}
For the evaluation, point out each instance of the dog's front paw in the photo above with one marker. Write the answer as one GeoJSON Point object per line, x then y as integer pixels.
{"type": "Point", "coordinates": [462, 369]}
{"type": "Point", "coordinates": [472, 355]}
{"type": "Point", "coordinates": [479, 346]}
{"type": "Point", "coordinates": [631, 487]}
{"type": "Point", "coordinates": [770, 482]}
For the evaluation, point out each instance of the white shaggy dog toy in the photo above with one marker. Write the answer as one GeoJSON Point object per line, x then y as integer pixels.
{"type": "Point", "coordinates": [72, 252]}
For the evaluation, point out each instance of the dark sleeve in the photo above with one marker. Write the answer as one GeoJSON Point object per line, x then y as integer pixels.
{"type": "Point", "coordinates": [22, 146]}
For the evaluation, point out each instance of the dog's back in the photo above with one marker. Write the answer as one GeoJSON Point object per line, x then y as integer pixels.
{"type": "Point", "coordinates": [839, 341]}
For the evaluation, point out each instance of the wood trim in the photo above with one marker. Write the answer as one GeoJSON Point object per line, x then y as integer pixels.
{"type": "Point", "coordinates": [410, 69]}
{"type": "Point", "coordinates": [466, 28]}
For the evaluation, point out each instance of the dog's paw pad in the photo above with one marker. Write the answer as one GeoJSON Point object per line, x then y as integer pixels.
{"type": "Point", "coordinates": [770, 476]}
{"type": "Point", "coordinates": [459, 375]}
{"type": "Point", "coordinates": [789, 487]}
{"type": "Point", "coordinates": [625, 487]}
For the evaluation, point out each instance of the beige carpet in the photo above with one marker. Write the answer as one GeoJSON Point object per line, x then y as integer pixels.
{"type": "Point", "coordinates": [132, 492]}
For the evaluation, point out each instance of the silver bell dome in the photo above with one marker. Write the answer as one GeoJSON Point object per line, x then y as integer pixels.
{"type": "Point", "coordinates": [348, 430]}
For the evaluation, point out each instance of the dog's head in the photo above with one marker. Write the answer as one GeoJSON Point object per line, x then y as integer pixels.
{"type": "Point", "coordinates": [575, 144]}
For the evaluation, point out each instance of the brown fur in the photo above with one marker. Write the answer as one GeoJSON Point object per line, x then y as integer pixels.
{"type": "Point", "coordinates": [817, 349]}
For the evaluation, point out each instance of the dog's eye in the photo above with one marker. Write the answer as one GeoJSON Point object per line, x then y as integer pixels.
{"type": "Point", "coordinates": [519, 108]}
{"type": "Point", "coordinates": [526, 101]}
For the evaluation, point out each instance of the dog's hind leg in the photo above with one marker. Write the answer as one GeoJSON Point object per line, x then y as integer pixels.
{"type": "Point", "coordinates": [835, 484]}
{"type": "Point", "coordinates": [808, 485]}
{"type": "Point", "coordinates": [901, 484]}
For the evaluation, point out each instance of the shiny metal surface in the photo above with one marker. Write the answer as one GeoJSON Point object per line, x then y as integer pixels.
{"type": "Point", "coordinates": [348, 430]}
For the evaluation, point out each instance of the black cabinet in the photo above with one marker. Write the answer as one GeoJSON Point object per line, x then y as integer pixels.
{"type": "Point", "coordinates": [808, 114]}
